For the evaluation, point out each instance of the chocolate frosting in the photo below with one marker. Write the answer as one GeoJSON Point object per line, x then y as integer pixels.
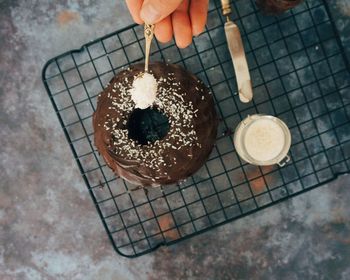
{"type": "Point", "coordinates": [189, 107]}
{"type": "Point", "coordinates": [275, 7]}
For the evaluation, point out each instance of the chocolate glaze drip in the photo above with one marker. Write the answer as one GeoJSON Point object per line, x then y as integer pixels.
{"type": "Point", "coordinates": [167, 160]}
{"type": "Point", "coordinates": [275, 7]}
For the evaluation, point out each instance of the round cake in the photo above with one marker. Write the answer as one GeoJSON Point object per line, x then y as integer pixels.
{"type": "Point", "coordinates": [276, 7]}
{"type": "Point", "coordinates": [162, 144]}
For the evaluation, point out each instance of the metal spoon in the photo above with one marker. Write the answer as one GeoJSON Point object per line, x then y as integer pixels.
{"type": "Point", "coordinates": [149, 33]}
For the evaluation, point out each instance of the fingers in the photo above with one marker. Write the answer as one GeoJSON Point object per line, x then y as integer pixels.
{"type": "Point", "coordinates": [134, 7]}
{"type": "Point", "coordinates": [182, 25]}
{"type": "Point", "coordinates": [164, 30]}
{"type": "Point", "coordinates": [153, 11]}
{"type": "Point", "coordinates": [198, 14]}
{"type": "Point", "coordinates": [183, 18]}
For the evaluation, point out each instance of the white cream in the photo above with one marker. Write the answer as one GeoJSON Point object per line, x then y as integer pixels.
{"type": "Point", "coordinates": [264, 140]}
{"type": "Point", "coordinates": [144, 90]}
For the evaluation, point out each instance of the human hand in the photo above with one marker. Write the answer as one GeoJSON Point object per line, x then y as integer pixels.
{"type": "Point", "coordinates": [181, 18]}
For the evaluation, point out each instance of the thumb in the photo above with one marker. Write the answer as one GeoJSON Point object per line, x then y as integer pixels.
{"type": "Point", "coordinates": [153, 11]}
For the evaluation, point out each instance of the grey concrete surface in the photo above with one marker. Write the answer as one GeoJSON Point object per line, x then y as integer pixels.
{"type": "Point", "coordinates": [49, 228]}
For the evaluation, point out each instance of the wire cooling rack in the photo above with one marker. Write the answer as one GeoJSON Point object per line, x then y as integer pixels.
{"type": "Point", "coordinates": [299, 73]}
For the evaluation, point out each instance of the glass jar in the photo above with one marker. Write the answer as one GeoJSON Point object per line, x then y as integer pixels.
{"type": "Point", "coordinates": [263, 140]}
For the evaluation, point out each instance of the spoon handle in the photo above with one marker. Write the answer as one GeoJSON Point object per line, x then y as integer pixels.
{"type": "Point", "coordinates": [149, 33]}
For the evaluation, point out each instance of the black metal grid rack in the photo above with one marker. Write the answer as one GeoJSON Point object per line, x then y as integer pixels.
{"type": "Point", "coordinates": [299, 73]}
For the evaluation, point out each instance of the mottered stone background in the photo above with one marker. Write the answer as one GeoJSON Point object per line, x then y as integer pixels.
{"type": "Point", "coordinates": [49, 228]}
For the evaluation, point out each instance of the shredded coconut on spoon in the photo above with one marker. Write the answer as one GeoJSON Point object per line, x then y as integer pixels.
{"type": "Point", "coordinates": [144, 90]}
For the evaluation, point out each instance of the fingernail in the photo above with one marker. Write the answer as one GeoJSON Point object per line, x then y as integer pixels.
{"type": "Point", "coordinates": [197, 32]}
{"type": "Point", "coordinates": [150, 14]}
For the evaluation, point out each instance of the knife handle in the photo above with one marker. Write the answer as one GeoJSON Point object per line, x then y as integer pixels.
{"type": "Point", "coordinates": [235, 45]}
{"type": "Point", "coordinates": [226, 7]}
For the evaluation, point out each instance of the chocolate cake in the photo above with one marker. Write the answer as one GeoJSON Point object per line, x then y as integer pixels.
{"type": "Point", "coordinates": [161, 144]}
{"type": "Point", "coordinates": [275, 7]}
